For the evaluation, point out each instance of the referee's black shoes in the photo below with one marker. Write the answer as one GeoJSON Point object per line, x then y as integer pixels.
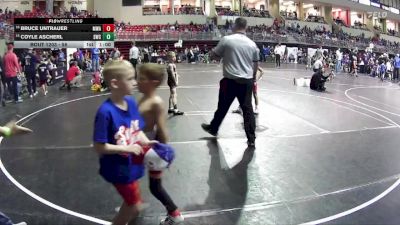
{"type": "Point", "coordinates": [207, 128]}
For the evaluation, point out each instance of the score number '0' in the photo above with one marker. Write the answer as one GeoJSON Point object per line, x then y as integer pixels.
{"type": "Point", "coordinates": [108, 27]}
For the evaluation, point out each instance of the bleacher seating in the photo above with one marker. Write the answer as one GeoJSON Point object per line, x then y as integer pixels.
{"type": "Point", "coordinates": [161, 27]}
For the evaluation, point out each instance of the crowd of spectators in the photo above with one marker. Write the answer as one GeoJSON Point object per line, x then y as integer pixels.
{"type": "Point", "coordinates": [7, 16]}
{"type": "Point", "coordinates": [278, 26]}
{"type": "Point", "coordinates": [189, 10]}
{"type": "Point", "coordinates": [339, 22]}
{"type": "Point", "coordinates": [392, 32]}
{"type": "Point", "coordinates": [252, 12]}
{"type": "Point", "coordinates": [226, 11]}
{"type": "Point", "coordinates": [246, 12]}
{"type": "Point", "coordinates": [289, 15]}
{"type": "Point", "coordinates": [359, 25]}
{"type": "Point", "coordinates": [192, 27]}
{"type": "Point", "coordinates": [378, 28]}
{"type": "Point", "coordinates": [182, 10]}
{"type": "Point", "coordinates": [315, 19]}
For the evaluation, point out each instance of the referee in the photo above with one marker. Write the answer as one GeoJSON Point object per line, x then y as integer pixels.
{"type": "Point", "coordinates": [240, 62]}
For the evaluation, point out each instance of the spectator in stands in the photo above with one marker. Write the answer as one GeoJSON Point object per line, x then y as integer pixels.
{"type": "Point", "coordinates": [12, 68]}
{"type": "Point", "coordinates": [95, 52]}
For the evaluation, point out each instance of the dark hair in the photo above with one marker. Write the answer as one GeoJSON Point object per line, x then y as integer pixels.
{"type": "Point", "coordinates": [240, 23]}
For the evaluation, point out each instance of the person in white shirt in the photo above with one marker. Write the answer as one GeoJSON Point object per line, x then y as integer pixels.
{"type": "Point", "coordinates": [389, 69]}
{"type": "Point", "coordinates": [134, 55]}
{"type": "Point", "coordinates": [278, 54]}
{"type": "Point", "coordinates": [339, 57]}
{"type": "Point", "coordinates": [318, 65]}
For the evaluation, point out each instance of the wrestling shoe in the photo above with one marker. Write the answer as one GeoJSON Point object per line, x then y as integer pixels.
{"type": "Point", "coordinates": [178, 113]}
{"type": "Point", "coordinates": [172, 220]}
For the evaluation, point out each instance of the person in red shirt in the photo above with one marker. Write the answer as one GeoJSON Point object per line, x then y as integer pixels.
{"type": "Point", "coordinates": [11, 69]}
{"type": "Point", "coordinates": [73, 76]}
{"type": "Point", "coordinates": [2, 83]}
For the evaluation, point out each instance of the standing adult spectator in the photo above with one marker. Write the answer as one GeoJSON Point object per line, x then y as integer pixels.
{"type": "Point", "coordinates": [2, 83]}
{"type": "Point", "coordinates": [278, 54]}
{"type": "Point", "coordinates": [265, 52]}
{"type": "Point", "coordinates": [12, 68]}
{"type": "Point", "coordinates": [29, 64]}
{"type": "Point", "coordinates": [78, 57]}
{"type": "Point", "coordinates": [115, 54]}
{"type": "Point", "coordinates": [134, 55]}
{"type": "Point", "coordinates": [396, 68]}
{"type": "Point", "coordinates": [339, 57]}
{"type": "Point", "coordinates": [240, 62]}
{"type": "Point", "coordinates": [95, 59]}
{"type": "Point", "coordinates": [319, 53]}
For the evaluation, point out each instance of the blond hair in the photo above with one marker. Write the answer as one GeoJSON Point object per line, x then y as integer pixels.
{"type": "Point", "coordinates": [152, 71]}
{"type": "Point", "coordinates": [116, 69]}
{"type": "Point", "coordinates": [171, 54]}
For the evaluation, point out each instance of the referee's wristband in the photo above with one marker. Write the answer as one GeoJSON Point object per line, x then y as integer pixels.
{"type": "Point", "coordinates": [6, 131]}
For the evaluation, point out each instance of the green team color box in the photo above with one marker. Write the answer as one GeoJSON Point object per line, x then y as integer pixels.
{"type": "Point", "coordinates": [108, 36]}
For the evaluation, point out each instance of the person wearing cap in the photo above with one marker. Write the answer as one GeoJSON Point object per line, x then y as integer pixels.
{"type": "Point", "coordinates": [396, 68]}
{"type": "Point", "coordinates": [240, 62]}
{"type": "Point", "coordinates": [29, 65]}
{"type": "Point", "coordinates": [11, 70]}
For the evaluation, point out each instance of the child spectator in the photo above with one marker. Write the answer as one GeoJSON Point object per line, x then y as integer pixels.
{"type": "Point", "coordinates": [44, 74]}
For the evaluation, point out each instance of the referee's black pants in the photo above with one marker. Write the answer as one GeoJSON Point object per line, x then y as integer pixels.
{"type": "Point", "coordinates": [134, 63]}
{"type": "Point", "coordinates": [278, 60]}
{"type": "Point", "coordinates": [242, 89]}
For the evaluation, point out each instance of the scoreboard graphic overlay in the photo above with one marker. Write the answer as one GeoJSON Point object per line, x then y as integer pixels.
{"type": "Point", "coordinates": [64, 33]}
